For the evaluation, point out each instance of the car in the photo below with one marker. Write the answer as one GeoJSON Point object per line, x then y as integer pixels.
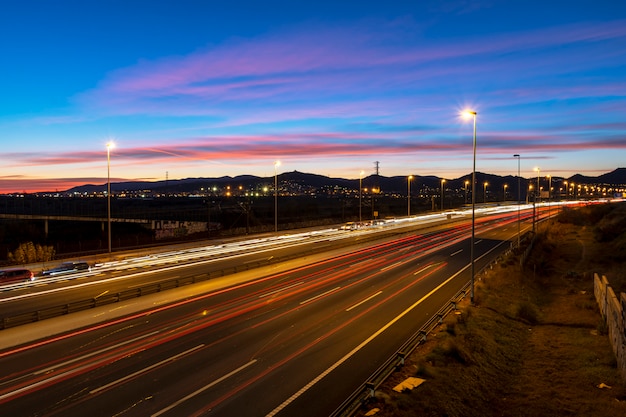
{"type": "Point", "coordinates": [351, 226]}
{"type": "Point", "coordinates": [67, 267]}
{"type": "Point", "coordinates": [16, 275]}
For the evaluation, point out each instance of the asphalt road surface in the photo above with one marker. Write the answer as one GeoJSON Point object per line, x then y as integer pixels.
{"type": "Point", "coordinates": [296, 342]}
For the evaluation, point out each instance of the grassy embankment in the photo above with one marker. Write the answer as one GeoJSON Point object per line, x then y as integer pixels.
{"type": "Point", "coordinates": [534, 343]}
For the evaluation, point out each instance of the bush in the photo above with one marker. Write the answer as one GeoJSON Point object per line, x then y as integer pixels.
{"type": "Point", "coordinates": [447, 352]}
{"type": "Point", "coordinates": [29, 253]}
{"type": "Point", "coordinates": [527, 312]}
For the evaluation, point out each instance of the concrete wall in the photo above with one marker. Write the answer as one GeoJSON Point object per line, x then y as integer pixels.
{"type": "Point", "coordinates": [613, 311]}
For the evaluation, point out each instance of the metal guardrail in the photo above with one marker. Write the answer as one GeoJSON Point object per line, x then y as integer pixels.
{"type": "Point", "coordinates": [86, 304]}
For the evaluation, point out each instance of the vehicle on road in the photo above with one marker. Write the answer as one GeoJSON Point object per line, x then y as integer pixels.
{"type": "Point", "coordinates": [350, 226]}
{"type": "Point", "coordinates": [67, 268]}
{"type": "Point", "coordinates": [16, 275]}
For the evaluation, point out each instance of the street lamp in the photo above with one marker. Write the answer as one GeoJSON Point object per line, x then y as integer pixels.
{"type": "Point", "coordinates": [360, 192]}
{"type": "Point", "coordinates": [109, 145]}
{"type": "Point", "coordinates": [549, 193]}
{"type": "Point", "coordinates": [408, 195]}
{"type": "Point", "coordinates": [276, 165]}
{"type": "Point", "coordinates": [468, 114]}
{"type": "Point", "coordinates": [443, 181]}
{"type": "Point", "coordinates": [485, 192]}
{"type": "Point", "coordinates": [505, 186]}
{"type": "Point", "coordinates": [519, 197]}
{"type": "Point", "coordinates": [537, 193]}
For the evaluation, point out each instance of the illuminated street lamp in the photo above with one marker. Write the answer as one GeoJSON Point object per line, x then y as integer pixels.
{"type": "Point", "coordinates": [472, 114]}
{"type": "Point", "coordinates": [485, 192]}
{"type": "Point", "coordinates": [505, 186]}
{"type": "Point", "coordinates": [276, 165]}
{"type": "Point", "coordinates": [519, 197]}
{"type": "Point", "coordinates": [466, 184]}
{"type": "Point", "coordinates": [109, 145]}
{"type": "Point", "coordinates": [537, 194]}
{"type": "Point", "coordinates": [443, 181]}
{"type": "Point", "coordinates": [408, 195]}
{"type": "Point", "coordinates": [549, 192]}
{"type": "Point", "coordinates": [360, 192]}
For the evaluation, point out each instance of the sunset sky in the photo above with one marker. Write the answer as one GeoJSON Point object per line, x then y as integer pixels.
{"type": "Point", "coordinates": [215, 88]}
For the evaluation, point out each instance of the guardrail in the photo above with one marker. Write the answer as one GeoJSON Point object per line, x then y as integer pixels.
{"type": "Point", "coordinates": [110, 298]}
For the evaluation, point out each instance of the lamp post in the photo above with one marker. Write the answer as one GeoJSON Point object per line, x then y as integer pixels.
{"type": "Point", "coordinates": [443, 181]}
{"type": "Point", "coordinates": [276, 165]}
{"type": "Point", "coordinates": [549, 192]}
{"type": "Point", "coordinates": [469, 113]}
{"type": "Point", "coordinates": [485, 192]}
{"type": "Point", "coordinates": [519, 197]}
{"type": "Point", "coordinates": [466, 184]}
{"type": "Point", "coordinates": [360, 192]}
{"type": "Point", "coordinates": [505, 186]}
{"type": "Point", "coordinates": [537, 193]}
{"type": "Point", "coordinates": [109, 145]}
{"type": "Point", "coordinates": [408, 195]}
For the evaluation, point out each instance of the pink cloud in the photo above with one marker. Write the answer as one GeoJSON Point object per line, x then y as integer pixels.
{"type": "Point", "coordinates": [319, 62]}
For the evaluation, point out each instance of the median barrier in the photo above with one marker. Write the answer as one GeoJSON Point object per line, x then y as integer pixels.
{"type": "Point", "coordinates": [80, 305]}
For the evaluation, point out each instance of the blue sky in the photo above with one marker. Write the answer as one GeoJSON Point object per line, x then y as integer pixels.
{"type": "Point", "coordinates": [208, 88]}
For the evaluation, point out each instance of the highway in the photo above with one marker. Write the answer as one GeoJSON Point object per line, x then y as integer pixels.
{"type": "Point", "coordinates": [296, 341]}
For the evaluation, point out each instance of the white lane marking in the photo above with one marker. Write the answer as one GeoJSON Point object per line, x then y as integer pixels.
{"type": "Point", "coordinates": [366, 300]}
{"type": "Point", "coordinates": [281, 289]}
{"type": "Point", "coordinates": [206, 387]}
{"type": "Point", "coordinates": [426, 267]}
{"type": "Point", "coordinates": [457, 252]}
{"type": "Point", "coordinates": [391, 266]}
{"type": "Point", "coordinates": [478, 241]}
{"type": "Point", "coordinates": [319, 295]}
{"type": "Point", "coordinates": [141, 371]}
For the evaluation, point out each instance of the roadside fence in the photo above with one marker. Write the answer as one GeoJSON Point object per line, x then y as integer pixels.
{"type": "Point", "coordinates": [613, 309]}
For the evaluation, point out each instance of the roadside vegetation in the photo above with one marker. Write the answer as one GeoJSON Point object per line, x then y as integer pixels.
{"type": "Point", "coordinates": [29, 252]}
{"type": "Point", "coordinates": [534, 343]}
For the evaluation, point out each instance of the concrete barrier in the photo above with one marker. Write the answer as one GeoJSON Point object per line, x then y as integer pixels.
{"type": "Point", "coordinates": [613, 310]}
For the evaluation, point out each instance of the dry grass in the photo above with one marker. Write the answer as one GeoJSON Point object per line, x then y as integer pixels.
{"type": "Point", "coordinates": [533, 344]}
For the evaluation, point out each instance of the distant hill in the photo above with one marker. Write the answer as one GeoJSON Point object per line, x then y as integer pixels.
{"type": "Point", "coordinates": [388, 184]}
{"type": "Point", "coordinates": [617, 177]}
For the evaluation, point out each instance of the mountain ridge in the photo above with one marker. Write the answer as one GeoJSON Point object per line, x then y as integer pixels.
{"type": "Point", "coordinates": [390, 184]}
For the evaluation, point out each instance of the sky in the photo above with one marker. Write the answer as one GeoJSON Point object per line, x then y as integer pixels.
{"type": "Point", "coordinates": [191, 88]}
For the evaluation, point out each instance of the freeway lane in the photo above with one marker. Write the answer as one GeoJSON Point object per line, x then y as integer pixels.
{"type": "Point", "coordinates": [249, 349]}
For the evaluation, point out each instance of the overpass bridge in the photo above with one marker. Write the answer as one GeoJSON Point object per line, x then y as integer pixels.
{"type": "Point", "coordinates": [162, 228]}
